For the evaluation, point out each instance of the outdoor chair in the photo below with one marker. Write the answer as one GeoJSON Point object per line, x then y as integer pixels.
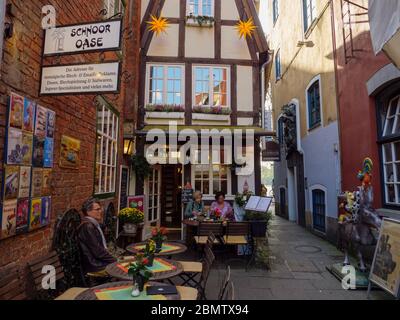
{"type": "Point", "coordinates": [61, 292]}
{"type": "Point", "coordinates": [12, 286]}
{"type": "Point", "coordinates": [207, 264]}
{"type": "Point", "coordinates": [207, 228]}
{"type": "Point", "coordinates": [237, 233]}
{"type": "Point", "coordinates": [225, 283]}
{"type": "Point", "coordinates": [230, 292]}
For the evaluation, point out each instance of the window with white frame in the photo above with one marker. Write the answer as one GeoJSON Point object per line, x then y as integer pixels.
{"type": "Point", "coordinates": [212, 176]}
{"type": "Point", "coordinates": [114, 7]}
{"type": "Point", "coordinates": [165, 85]}
{"type": "Point", "coordinates": [200, 8]}
{"type": "Point", "coordinates": [309, 12]}
{"type": "Point", "coordinates": [154, 187]}
{"type": "Point", "coordinates": [211, 86]}
{"type": "Point", "coordinates": [391, 152]}
{"type": "Point", "coordinates": [314, 104]}
{"type": "Point", "coordinates": [106, 150]}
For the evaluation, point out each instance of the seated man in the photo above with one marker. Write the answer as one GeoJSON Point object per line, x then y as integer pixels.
{"type": "Point", "coordinates": [92, 243]}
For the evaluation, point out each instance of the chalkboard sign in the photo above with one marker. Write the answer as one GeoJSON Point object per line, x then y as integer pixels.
{"type": "Point", "coordinates": [124, 188]}
{"type": "Point", "coordinates": [187, 195]}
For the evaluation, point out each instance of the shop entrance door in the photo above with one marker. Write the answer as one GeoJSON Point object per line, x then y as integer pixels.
{"type": "Point", "coordinates": [171, 197]}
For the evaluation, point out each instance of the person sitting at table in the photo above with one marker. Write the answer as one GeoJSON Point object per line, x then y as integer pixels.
{"type": "Point", "coordinates": [224, 208]}
{"type": "Point", "coordinates": [196, 206]}
{"type": "Point", "coordinates": [92, 243]}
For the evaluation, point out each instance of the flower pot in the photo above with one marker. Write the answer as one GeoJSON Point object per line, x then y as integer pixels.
{"type": "Point", "coordinates": [151, 260]}
{"type": "Point", "coordinates": [159, 244]}
{"type": "Point", "coordinates": [130, 228]}
{"type": "Point", "coordinates": [259, 229]}
{"type": "Point", "coordinates": [139, 282]}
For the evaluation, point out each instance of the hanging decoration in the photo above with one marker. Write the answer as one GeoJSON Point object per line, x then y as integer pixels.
{"type": "Point", "coordinates": [246, 28]}
{"type": "Point", "coordinates": [158, 25]}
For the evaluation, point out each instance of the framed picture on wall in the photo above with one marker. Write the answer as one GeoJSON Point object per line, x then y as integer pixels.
{"type": "Point", "coordinates": [70, 148]}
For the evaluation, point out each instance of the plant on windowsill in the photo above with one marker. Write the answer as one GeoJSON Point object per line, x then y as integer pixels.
{"type": "Point", "coordinates": [140, 166]}
{"type": "Point", "coordinates": [201, 21]}
{"type": "Point", "coordinates": [219, 110]}
{"type": "Point", "coordinates": [131, 218]}
{"type": "Point", "coordinates": [164, 108]}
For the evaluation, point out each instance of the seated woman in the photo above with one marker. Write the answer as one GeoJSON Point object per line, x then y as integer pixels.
{"type": "Point", "coordinates": [196, 206]}
{"type": "Point", "coordinates": [92, 243]}
{"type": "Point", "coordinates": [223, 207]}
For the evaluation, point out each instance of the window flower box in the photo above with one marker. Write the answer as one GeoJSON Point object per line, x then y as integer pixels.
{"type": "Point", "coordinates": [200, 21]}
{"type": "Point", "coordinates": [165, 115]}
{"type": "Point", "coordinates": [164, 108]}
{"type": "Point", "coordinates": [212, 110]}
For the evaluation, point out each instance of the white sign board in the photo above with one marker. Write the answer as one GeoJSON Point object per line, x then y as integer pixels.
{"type": "Point", "coordinates": [97, 36]}
{"type": "Point", "coordinates": [259, 204]}
{"type": "Point", "coordinates": [80, 79]}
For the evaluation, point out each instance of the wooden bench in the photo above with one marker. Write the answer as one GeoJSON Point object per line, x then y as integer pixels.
{"type": "Point", "coordinates": [12, 286]}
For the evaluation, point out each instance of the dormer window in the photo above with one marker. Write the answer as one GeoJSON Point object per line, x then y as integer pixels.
{"type": "Point", "coordinates": [200, 8]}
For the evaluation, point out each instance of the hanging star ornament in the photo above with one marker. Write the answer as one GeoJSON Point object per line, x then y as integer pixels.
{"type": "Point", "coordinates": [246, 28]}
{"type": "Point", "coordinates": [158, 25]}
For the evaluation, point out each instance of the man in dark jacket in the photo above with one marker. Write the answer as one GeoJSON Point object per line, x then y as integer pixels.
{"type": "Point", "coordinates": [92, 243]}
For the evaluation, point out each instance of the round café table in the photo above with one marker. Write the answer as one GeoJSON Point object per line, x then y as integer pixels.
{"type": "Point", "coordinates": [162, 269]}
{"type": "Point", "coordinates": [122, 291]}
{"type": "Point", "coordinates": [169, 248]}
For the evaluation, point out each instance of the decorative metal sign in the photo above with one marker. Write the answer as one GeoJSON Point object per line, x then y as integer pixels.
{"type": "Point", "coordinates": [89, 37]}
{"type": "Point", "coordinates": [81, 79]}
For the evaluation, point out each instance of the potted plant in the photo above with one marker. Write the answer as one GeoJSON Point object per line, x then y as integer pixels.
{"type": "Point", "coordinates": [259, 222]}
{"type": "Point", "coordinates": [140, 274]}
{"type": "Point", "coordinates": [140, 166]}
{"type": "Point", "coordinates": [201, 21]}
{"type": "Point", "coordinates": [159, 236]}
{"type": "Point", "coordinates": [130, 219]}
{"type": "Point", "coordinates": [150, 252]}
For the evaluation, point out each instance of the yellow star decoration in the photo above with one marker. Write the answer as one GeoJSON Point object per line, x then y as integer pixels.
{"type": "Point", "coordinates": [246, 28]}
{"type": "Point", "coordinates": [157, 25]}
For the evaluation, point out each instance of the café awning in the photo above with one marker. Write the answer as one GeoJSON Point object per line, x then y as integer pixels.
{"type": "Point", "coordinates": [384, 16]}
{"type": "Point", "coordinates": [258, 132]}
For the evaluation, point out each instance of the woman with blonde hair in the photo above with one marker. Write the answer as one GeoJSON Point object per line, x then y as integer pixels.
{"type": "Point", "coordinates": [196, 206]}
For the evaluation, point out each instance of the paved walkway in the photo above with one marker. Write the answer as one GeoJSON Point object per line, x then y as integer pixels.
{"type": "Point", "coordinates": [298, 270]}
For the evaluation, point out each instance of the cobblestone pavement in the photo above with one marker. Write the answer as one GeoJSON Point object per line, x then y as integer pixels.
{"type": "Point", "coordinates": [298, 261]}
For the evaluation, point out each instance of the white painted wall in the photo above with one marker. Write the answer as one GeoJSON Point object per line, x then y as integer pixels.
{"type": "Point", "coordinates": [171, 9]}
{"type": "Point", "coordinates": [165, 44]}
{"type": "Point", "coordinates": [229, 10]}
{"type": "Point", "coordinates": [232, 47]}
{"type": "Point", "coordinates": [199, 42]}
{"type": "Point", "coordinates": [245, 88]}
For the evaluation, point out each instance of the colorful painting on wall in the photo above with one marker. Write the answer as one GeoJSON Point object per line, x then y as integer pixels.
{"type": "Point", "coordinates": [27, 147]}
{"type": "Point", "coordinates": [24, 182]}
{"type": "Point", "coordinates": [46, 209]}
{"type": "Point", "coordinates": [51, 124]}
{"type": "Point", "coordinates": [46, 187]}
{"type": "Point", "coordinates": [41, 122]}
{"type": "Point", "coordinates": [29, 115]}
{"type": "Point", "coordinates": [48, 153]}
{"type": "Point", "coordinates": [136, 202]}
{"type": "Point", "coordinates": [15, 152]}
{"type": "Point", "coordinates": [38, 152]}
{"type": "Point", "coordinates": [36, 214]}
{"type": "Point", "coordinates": [22, 216]}
{"type": "Point", "coordinates": [16, 110]}
{"type": "Point", "coordinates": [11, 182]}
{"type": "Point", "coordinates": [9, 219]}
{"type": "Point", "coordinates": [70, 148]}
{"type": "Point", "coordinates": [37, 182]}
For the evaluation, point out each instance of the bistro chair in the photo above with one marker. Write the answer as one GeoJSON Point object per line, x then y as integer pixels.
{"type": "Point", "coordinates": [207, 264]}
{"type": "Point", "coordinates": [12, 287]}
{"type": "Point", "coordinates": [207, 228]}
{"type": "Point", "coordinates": [225, 283]}
{"type": "Point", "coordinates": [237, 233]}
{"type": "Point", "coordinates": [230, 292]}
{"type": "Point", "coordinates": [36, 276]}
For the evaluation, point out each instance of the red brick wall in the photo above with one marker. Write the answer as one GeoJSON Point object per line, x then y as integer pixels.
{"type": "Point", "coordinates": [76, 115]}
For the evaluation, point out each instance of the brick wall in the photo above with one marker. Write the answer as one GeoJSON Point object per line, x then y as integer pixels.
{"type": "Point", "coordinates": [76, 115]}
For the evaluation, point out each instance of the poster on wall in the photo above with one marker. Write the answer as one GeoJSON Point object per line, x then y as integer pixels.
{"type": "Point", "coordinates": [136, 202]}
{"type": "Point", "coordinates": [27, 148]}
{"type": "Point", "coordinates": [41, 122]}
{"type": "Point", "coordinates": [35, 214]}
{"type": "Point", "coordinates": [48, 153]}
{"type": "Point", "coordinates": [9, 219]}
{"type": "Point", "coordinates": [29, 115]}
{"type": "Point", "coordinates": [46, 186]}
{"type": "Point", "coordinates": [46, 209]}
{"type": "Point", "coordinates": [15, 153]}
{"type": "Point", "coordinates": [70, 148]}
{"type": "Point", "coordinates": [11, 182]}
{"type": "Point", "coordinates": [37, 182]}
{"type": "Point", "coordinates": [22, 216]}
{"type": "Point", "coordinates": [15, 111]}
{"type": "Point", "coordinates": [385, 269]}
{"type": "Point", "coordinates": [38, 152]}
{"type": "Point", "coordinates": [24, 182]}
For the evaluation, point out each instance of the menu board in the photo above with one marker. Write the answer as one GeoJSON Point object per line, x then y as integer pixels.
{"type": "Point", "coordinates": [124, 188]}
{"type": "Point", "coordinates": [28, 162]}
{"type": "Point", "coordinates": [259, 204]}
{"type": "Point", "coordinates": [187, 195]}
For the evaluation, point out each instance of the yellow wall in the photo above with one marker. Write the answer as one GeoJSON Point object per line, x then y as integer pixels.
{"type": "Point", "coordinates": [299, 65]}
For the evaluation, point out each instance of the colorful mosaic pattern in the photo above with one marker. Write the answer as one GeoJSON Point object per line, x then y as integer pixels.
{"type": "Point", "coordinates": [159, 265]}
{"type": "Point", "coordinates": [123, 294]}
{"type": "Point", "coordinates": [165, 248]}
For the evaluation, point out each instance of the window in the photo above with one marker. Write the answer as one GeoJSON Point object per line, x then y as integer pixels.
{"type": "Point", "coordinates": [200, 8]}
{"type": "Point", "coordinates": [310, 13]}
{"type": "Point", "coordinates": [165, 85]}
{"type": "Point", "coordinates": [275, 10]}
{"type": "Point", "coordinates": [319, 209]}
{"type": "Point", "coordinates": [391, 152]}
{"type": "Point", "coordinates": [211, 86]}
{"type": "Point", "coordinates": [314, 105]}
{"type": "Point", "coordinates": [212, 178]}
{"type": "Point", "coordinates": [114, 7]}
{"type": "Point", "coordinates": [278, 72]}
{"type": "Point", "coordinates": [106, 150]}
{"type": "Point", "coordinates": [154, 183]}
